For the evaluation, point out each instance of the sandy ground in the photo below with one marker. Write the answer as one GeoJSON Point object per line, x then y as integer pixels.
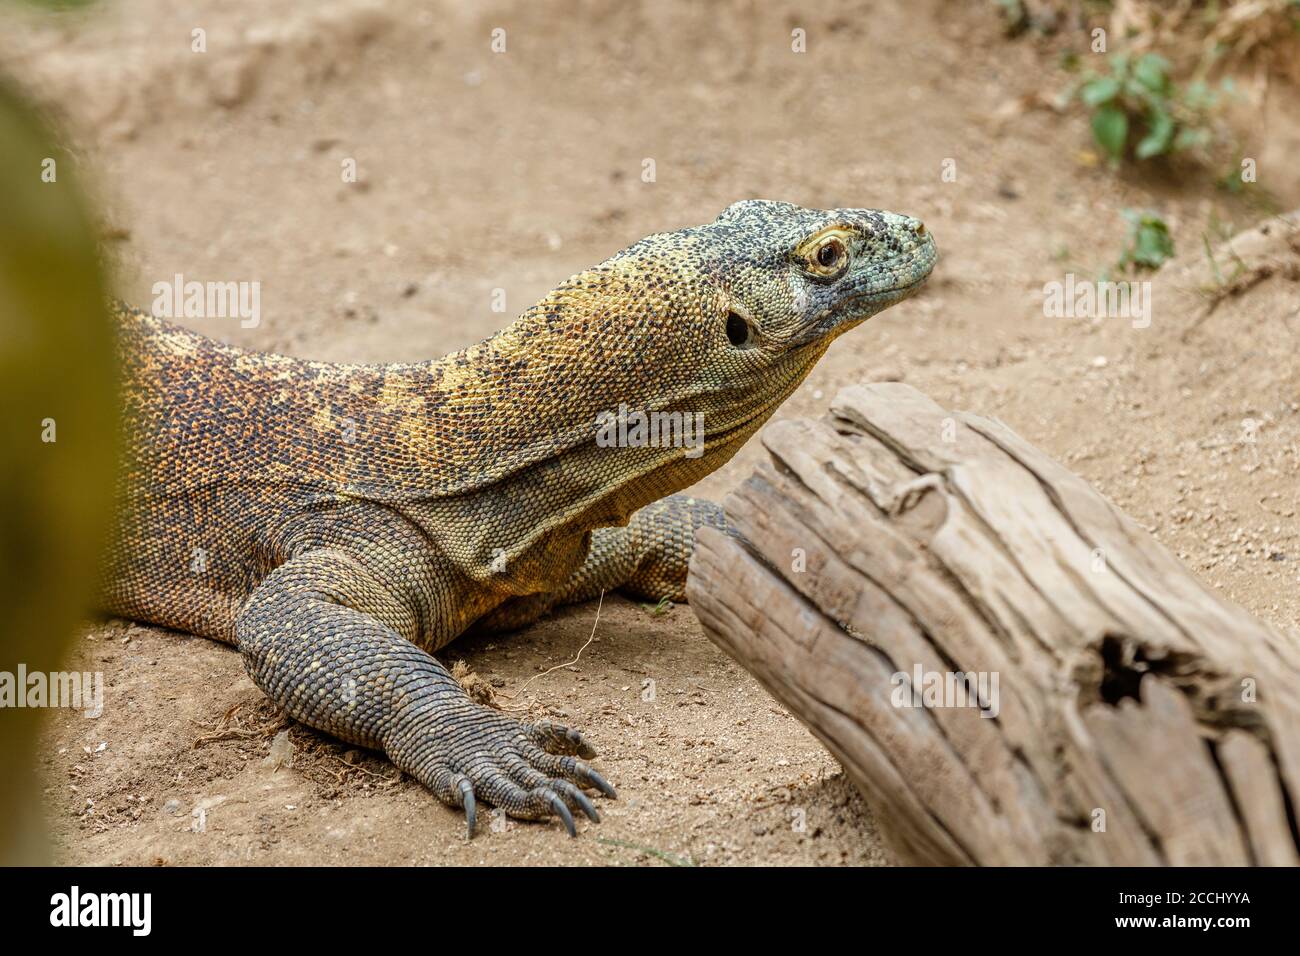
{"type": "Point", "coordinates": [481, 171]}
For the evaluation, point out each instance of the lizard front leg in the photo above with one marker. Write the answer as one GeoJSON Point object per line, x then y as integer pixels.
{"type": "Point", "coordinates": [331, 643]}
{"type": "Point", "coordinates": [660, 537]}
{"type": "Point", "coordinates": [646, 559]}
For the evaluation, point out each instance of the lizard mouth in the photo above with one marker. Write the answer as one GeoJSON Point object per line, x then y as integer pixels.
{"type": "Point", "coordinates": [890, 296]}
{"type": "Point", "coordinates": [912, 269]}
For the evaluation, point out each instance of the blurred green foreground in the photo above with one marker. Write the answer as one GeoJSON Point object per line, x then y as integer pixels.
{"type": "Point", "coordinates": [58, 420]}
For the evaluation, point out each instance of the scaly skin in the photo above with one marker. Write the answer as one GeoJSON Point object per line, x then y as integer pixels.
{"type": "Point", "coordinates": [338, 523]}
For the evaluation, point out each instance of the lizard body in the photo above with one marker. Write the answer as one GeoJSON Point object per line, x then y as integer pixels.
{"type": "Point", "coordinates": [338, 523]}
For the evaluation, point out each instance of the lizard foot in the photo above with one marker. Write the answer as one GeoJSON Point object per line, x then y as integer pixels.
{"type": "Point", "coordinates": [531, 771]}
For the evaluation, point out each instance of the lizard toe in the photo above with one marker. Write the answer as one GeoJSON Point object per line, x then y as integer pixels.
{"type": "Point", "coordinates": [455, 790]}
{"type": "Point", "coordinates": [561, 810]}
{"type": "Point", "coordinates": [559, 739]}
{"type": "Point", "coordinates": [494, 759]}
{"type": "Point", "coordinates": [574, 797]}
{"type": "Point", "coordinates": [532, 778]}
{"type": "Point", "coordinates": [571, 769]}
{"type": "Point", "coordinates": [536, 803]}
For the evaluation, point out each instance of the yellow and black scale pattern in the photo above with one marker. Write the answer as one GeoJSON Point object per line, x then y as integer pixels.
{"type": "Point", "coordinates": [338, 523]}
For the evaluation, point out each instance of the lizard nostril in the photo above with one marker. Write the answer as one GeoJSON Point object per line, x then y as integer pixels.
{"type": "Point", "coordinates": [918, 227]}
{"type": "Point", "coordinates": [738, 331]}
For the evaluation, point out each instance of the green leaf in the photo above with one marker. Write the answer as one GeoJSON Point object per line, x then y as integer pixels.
{"type": "Point", "coordinates": [663, 607]}
{"type": "Point", "coordinates": [1110, 129]}
{"type": "Point", "coordinates": [1152, 71]}
{"type": "Point", "coordinates": [1098, 91]}
{"type": "Point", "coordinates": [1152, 244]}
{"type": "Point", "coordinates": [1149, 243]}
{"type": "Point", "coordinates": [1134, 90]}
{"type": "Point", "coordinates": [1160, 133]}
{"type": "Point", "coordinates": [1190, 138]}
{"type": "Point", "coordinates": [1198, 97]}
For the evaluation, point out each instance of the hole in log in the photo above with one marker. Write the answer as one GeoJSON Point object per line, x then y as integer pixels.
{"type": "Point", "coordinates": [1124, 664]}
{"type": "Point", "coordinates": [1215, 698]}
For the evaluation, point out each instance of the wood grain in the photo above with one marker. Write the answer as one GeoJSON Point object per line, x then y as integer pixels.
{"type": "Point", "coordinates": [1133, 716]}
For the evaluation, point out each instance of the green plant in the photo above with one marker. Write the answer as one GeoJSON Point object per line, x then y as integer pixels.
{"type": "Point", "coordinates": [1139, 111]}
{"type": "Point", "coordinates": [1217, 232]}
{"type": "Point", "coordinates": [1221, 281]}
{"type": "Point", "coordinates": [663, 607]}
{"type": "Point", "coordinates": [669, 858]}
{"type": "Point", "coordinates": [1148, 244]}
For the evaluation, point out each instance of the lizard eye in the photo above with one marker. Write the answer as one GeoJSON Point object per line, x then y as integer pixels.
{"type": "Point", "coordinates": [825, 254]}
{"type": "Point", "coordinates": [830, 254]}
{"type": "Point", "coordinates": [739, 332]}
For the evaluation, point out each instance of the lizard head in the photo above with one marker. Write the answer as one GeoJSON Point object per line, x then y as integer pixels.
{"type": "Point", "coordinates": [705, 329]}
{"type": "Point", "coordinates": [731, 316]}
{"type": "Point", "coordinates": [791, 277]}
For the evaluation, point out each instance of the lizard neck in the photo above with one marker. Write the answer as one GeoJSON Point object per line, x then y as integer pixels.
{"type": "Point", "coordinates": [553, 482]}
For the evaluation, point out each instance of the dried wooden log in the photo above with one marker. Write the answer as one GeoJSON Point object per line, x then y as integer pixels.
{"type": "Point", "coordinates": [1008, 667]}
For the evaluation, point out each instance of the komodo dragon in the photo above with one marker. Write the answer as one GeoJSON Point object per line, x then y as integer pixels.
{"type": "Point", "coordinates": [339, 523]}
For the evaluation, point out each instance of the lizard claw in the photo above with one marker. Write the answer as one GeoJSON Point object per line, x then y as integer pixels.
{"type": "Point", "coordinates": [573, 795]}
{"type": "Point", "coordinates": [467, 800]}
{"type": "Point", "coordinates": [563, 813]}
{"type": "Point", "coordinates": [527, 770]}
{"type": "Point", "coordinates": [597, 781]}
